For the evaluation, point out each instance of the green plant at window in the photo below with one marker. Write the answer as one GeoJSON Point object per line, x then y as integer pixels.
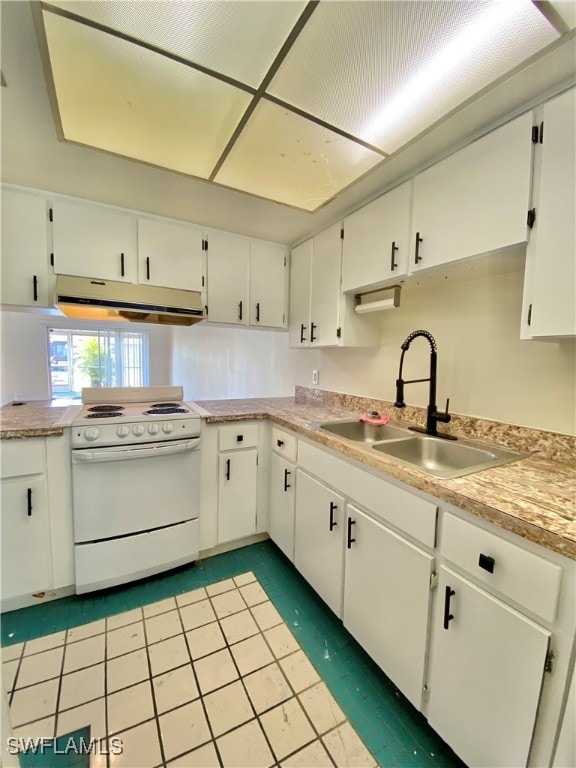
{"type": "Point", "coordinates": [96, 363]}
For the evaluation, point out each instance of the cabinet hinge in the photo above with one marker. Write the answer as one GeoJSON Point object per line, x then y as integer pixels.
{"type": "Point", "coordinates": [433, 580]}
{"type": "Point", "coordinates": [338, 333]}
{"type": "Point", "coordinates": [531, 218]}
{"type": "Point", "coordinates": [342, 233]}
{"type": "Point", "coordinates": [50, 214]}
{"type": "Point", "coordinates": [549, 662]}
{"type": "Point", "coordinates": [51, 259]}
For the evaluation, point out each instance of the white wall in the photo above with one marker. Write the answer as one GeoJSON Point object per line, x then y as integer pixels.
{"type": "Point", "coordinates": [24, 353]}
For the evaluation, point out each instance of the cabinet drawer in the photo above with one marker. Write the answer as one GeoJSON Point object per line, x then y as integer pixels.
{"type": "Point", "coordinates": [22, 457]}
{"type": "Point", "coordinates": [285, 444]}
{"type": "Point", "coordinates": [522, 576]}
{"type": "Point", "coordinates": [238, 435]}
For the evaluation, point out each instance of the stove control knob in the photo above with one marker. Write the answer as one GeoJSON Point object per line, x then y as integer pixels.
{"type": "Point", "coordinates": [167, 427]}
{"type": "Point", "coordinates": [153, 429]}
{"type": "Point", "coordinates": [122, 431]}
{"type": "Point", "coordinates": [139, 429]}
{"type": "Point", "coordinates": [92, 433]}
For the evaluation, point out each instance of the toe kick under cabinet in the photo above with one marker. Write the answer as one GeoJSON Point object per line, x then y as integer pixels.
{"type": "Point", "coordinates": [473, 624]}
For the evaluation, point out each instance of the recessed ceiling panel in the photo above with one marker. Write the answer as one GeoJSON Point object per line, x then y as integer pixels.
{"type": "Point", "coordinates": [237, 38]}
{"type": "Point", "coordinates": [385, 71]}
{"type": "Point", "coordinates": [124, 99]}
{"type": "Point", "coordinates": [284, 157]}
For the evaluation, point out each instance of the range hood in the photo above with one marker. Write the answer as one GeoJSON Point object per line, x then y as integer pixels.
{"type": "Point", "coordinates": [89, 298]}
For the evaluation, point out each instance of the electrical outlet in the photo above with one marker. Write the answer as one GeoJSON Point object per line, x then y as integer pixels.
{"type": "Point", "coordinates": [315, 375]}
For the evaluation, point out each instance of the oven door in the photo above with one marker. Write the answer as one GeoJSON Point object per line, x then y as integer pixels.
{"type": "Point", "coordinates": [128, 489]}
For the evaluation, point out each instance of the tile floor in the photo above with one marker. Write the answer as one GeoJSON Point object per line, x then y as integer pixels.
{"type": "Point", "coordinates": [205, 667]}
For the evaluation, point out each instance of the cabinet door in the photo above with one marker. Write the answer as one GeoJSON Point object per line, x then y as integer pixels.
{"type": "Point", "coordinates": [282, 482]}
{"type": "Point", "coordinates": [325, 298]}
{"type": "Point", "coordinates": [24, 250]}
{"type": "Point", "coordinates": [228, 259]}
{"type": "Point", "coordinates": [551, 257]}
{"type": "Point", "coordinates": [319, 538]}
{"type": "Point", "coordinates": [90, 241]}
{"type": "Point", "coordinates": [169, 255]}
{"type": "Point", "coordinates": [386, 600]}
{"type": "Point", "coordinates": [300, 282]}
{"type": "Point", "coordinates": [26, 561]}
{"type": "Point", "coordinates": [268, 269]}
{"type": "Point", "coordinates": [475, 201]}
{"type": "Point", "coordinates": [237, 481]}
{"type": "Point", "coordinates": [486, 669]}
{"type": "Point", "coordinates": [376, 240]}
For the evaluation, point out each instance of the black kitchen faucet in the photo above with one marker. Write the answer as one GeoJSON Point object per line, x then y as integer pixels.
{"type": "Point", "coordinates": [433, 416]}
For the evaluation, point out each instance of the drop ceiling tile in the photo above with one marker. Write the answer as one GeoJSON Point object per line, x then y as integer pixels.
{"type": "Point", "coordinates": [238, 38]}
{"type": "Point", "coordinates": [121, 98]}
{"type": "Point", "coordinates": [385, 71]}
{"type": "Point", "coordinates": [284, 157]}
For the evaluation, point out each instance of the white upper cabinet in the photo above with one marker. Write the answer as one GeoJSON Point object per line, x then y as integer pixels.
{"type": "Point", "coordinates": [476, 201]}
{"type": "Point", "coordinates": [376, 241]}
{"type": "Point", "coordinates": [228, 263]}
{"type": "Point", "coordinates": [90, 241]}
{"type": "Point", "coordinates": [169, 255]}
{"type": "Point", "coordinates": [24, 249]}
{"type": "Point", "coordinates": [550, 291]}
{"type": "Point", "coordinates": [325, 296]}
{"type": "Point", "coordinates": [300, 294]}
{"type": "Point", "coordinates": [268, 284]}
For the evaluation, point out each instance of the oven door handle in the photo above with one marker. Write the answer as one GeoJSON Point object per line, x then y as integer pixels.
{"type": "Point", "coordinates": [134, 452]}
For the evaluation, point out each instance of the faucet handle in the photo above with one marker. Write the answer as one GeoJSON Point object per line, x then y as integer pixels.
{"type": "Point", "coordinates": [445, 417]}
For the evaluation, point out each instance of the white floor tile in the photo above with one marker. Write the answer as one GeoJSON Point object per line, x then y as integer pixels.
{"type": "Point", "coordinates": [163, 626]}
{"type": "Point", "coordinates": [129, 707]}
{"type": "Point", "coordinates": [205, 640]}
{"type": "Point", "coordinates": [82, 686]}
{"type": "Point", "coordinates": [219, 587]}
{"type": "Point", "coordinates": [245, 747]}
{"type": "Point", "coordinates": [251, 654]}
{"type": "Point", "coordinates": [253, 594]}
{"type": "Point", "coordinates": [153, 609]}
{"type": "Point", "coordinates": [44, 643]}
{"type": "Point", "coordinates": [34, 703]}
{"type": "Point", "coordinates": [281, 640]}
{"type": "Point", "coordinates": [244, 578]}
{"type": "Point", "coordinates": [287, 728]}
{"type": "Point", "coordinates": [195, 596]}
{"type": "Point", "coordinates": [312, 756]}
{"type": "Point", "coordinates": [299, 671]}
{"type": "Point", "coordinates": [174, 688]}
{"type": "Point", "coordinates": [321, 708]}
{"type": "Point", "coordinates": [168, 654]}
{"type": "Point", "coordinates": [228, 708]}
{"type": "Point", "coordinates": [126, 639]}
{"type": "Point", "coordinates": [123, 619]}
{"type": "Point", "coordinates": [346, 749]}
{"type": "Point", "coordinates": [11, 652]}
{"type": "Point", "coordinates": [267, 687]}
{"type": "Point", "coordinates": [92, 714]}
{"type": "Point", "coordinates": [127, 670]}
{"type": "Point", "coordinates": [39, 667]}
{"type": "Point", "coordinates": [184, 729]}
{"type": "Point", "coordinates": [266, 615]}
{"type": "Point", "coordinates": [215, 670]}
{"type": "Point", "coordinates": [86, 630]}
{"type": "Point", "coordinates": [140, 747]}
{"type": "Point", "coordinates": [203, 757]}
{"type": "Point", "coordinates": [228, 603]}
{"type": "Point", "coordinates": [37, 730]}
{"type": "Point", "coordinates": [197, 614]}
{"type": "Point", "coordinates": [84, 653]}
{"type": "Point", "coordinates": [239, 626]}
{"type": "Point", "coordinates": [9, 669]}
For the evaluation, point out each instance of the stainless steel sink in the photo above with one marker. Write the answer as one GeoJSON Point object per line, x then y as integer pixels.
{"type": "Point", "coordinates": [446, 459]}
{"type": "Point", "coordinates": [361, 432]}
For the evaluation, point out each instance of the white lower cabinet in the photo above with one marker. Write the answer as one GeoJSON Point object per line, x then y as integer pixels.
{"type": "Point", "coordinates": [386, 600]}
{"type": "Point", "coordinates": [282, 498]}
{"type": "Point", "coordinates": [319, 539]}
{"type": "Point", "coordinates": [486, 670]}
{"type": "Point", "coordinates": [237, 482]}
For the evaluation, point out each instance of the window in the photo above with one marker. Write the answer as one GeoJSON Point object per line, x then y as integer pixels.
{"type": "Point", "coordinates": [102, 358]}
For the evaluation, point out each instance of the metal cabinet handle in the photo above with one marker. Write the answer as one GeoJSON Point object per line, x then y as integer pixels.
{"type": "Point", "coordinates": [227, 469]}
{"type": "Point", "coordinates": [147, 267]}
{"type": "Point", "coordinates": [312, 326]}
{"type": "Point", "coordinates": [393, 264]}
{"type": "Point", "coordinates": [29, 495]}
{"type": "Point", "coordinates": [122, 265]}
{"type": "Point", "coordinates": [35, 286]}
{"type": "Point", "coordinates": [240, 310]}
{"type": "Point", "coordinates": [286, 484]}
{"type": "Point", "coordinates": [302, 329]}
{"type": "Point", "coordinates": [448, 594]}
{"type": "Point", "coordinates": [258, 312]}
{"type": "Point", "coordinates": [417, 257]}
{"type": "Point", "coordinates": [486, 562]}
{"type": "Point", "coordinates": [350, 540]}
{"type": "Point", "coordinates": [279, 443]}
{"type": "Point", "coordinates": [239, 438]}
{"type": "Point", "coordinates": [333, 508]}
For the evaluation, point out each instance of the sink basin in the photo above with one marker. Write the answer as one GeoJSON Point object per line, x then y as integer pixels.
{"type": "Point", "coordinates": [446, 459]}
{"type": "Point", "coordinates": [361, 432]}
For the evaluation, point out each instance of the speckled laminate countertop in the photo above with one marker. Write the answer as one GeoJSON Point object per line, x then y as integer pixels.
{"type": "Point", "coordinates": [534, 498]}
